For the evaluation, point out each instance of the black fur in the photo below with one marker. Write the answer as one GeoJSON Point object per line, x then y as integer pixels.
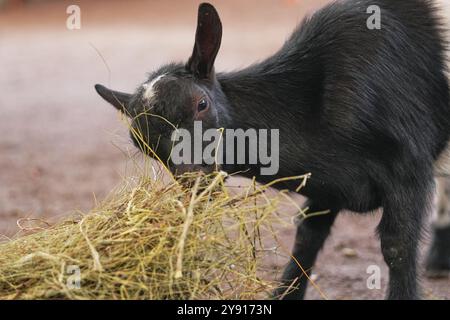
{"type": "Point", "coordinates": [365, 111]}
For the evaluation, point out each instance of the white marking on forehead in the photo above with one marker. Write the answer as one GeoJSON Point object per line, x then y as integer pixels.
{"type": "Point", "coordinates": [150, 87]}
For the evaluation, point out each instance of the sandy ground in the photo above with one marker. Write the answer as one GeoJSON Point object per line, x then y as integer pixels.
{"type": "Point", "coordinates": [61, 146]}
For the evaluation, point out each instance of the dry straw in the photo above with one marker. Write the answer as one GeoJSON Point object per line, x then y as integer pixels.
{"type": "Point", "coordinates": [150, 240]}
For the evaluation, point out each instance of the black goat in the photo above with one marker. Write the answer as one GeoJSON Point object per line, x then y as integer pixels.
{"type": "Point", "coordinates": [366, 111]}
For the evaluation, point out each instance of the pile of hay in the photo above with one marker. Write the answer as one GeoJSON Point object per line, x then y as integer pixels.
{"type": "Point", "coordinates": [149, 240]}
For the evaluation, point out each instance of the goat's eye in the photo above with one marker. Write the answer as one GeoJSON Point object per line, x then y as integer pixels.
{"type": "Point", "coordinates": [202, 105]}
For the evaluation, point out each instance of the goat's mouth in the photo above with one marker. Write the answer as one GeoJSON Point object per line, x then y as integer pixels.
{"type": "Point", "coordinates": [181, 169]}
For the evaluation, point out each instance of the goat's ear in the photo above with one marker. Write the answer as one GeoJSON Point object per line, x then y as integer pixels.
{"type": "Point", "coordinates": [118, 99]}
{"type": "Point", "coordinates": [207, 42]}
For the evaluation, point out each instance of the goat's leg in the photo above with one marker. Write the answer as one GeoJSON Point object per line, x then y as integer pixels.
{"type": "Point", "coordinates": [438, 260]}
{"type": "Point", "coordinates": [311, 235]}
{"type": "Point", "coordinates": [400, 232]}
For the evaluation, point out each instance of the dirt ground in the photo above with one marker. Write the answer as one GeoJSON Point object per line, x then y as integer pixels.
{"type": "Point", "coordinates": [62, 147]}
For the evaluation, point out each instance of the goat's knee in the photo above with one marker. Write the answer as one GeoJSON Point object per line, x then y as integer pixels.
{"type": "Point", "coordinates": [397, 254]}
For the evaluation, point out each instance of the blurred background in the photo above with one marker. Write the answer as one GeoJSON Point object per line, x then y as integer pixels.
{"type": "Point", "coordinates": [62, 147]}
